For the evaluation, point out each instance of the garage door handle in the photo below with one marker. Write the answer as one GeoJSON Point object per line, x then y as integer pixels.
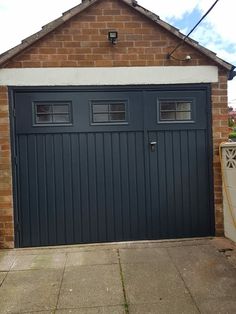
{"type": "Point", "coordinates": [153, 146]}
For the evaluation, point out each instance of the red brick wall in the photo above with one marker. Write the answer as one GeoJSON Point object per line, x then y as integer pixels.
{"type": "Point", "coordinates": [220, 134]}
{"type": "Point", "coordinates": [82, 42]}
{"type": "Point", "coordinates": [6, 203]}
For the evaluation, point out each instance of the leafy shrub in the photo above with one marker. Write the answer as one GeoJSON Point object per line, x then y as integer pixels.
{"type": "Point", "coordinates": [232, 135]}
{"type": "Point", "coordinates": [230, 122]}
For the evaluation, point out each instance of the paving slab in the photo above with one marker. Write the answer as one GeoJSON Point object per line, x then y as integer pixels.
{"type": "Point", "coordinates": [159, 277]}
{"type": "Point", "coordinates": [6, 261]}
{"type": "Point", "coordinates": [29, 291]}
{"type": "Point", "coordinates": [163, 307]}
{"type": "Point", "coordinates": [208, 275]}
{"type": "Point", "coordinates": [144, 255]}
{"type": "Point", "coordinates": [91, 286]}
{"type": "Point", "coordinates": [94, 310]}
{"type": "Point", "coordinates": [98, 257]}
{"type": "Point", "coordinates": [42, 261]}
{"type": "Point", "coordinates": [154, 281]}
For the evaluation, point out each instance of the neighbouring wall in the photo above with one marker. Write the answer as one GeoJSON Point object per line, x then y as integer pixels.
{"type": "Point", "coordinates": [6, 195]}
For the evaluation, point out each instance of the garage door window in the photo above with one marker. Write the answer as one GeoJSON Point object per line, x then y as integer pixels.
{"type": "Point", "coordinates": [175, 111]}
{"type": "Point", "coordinates": [108, 112]}
{"type": "Point", "coordinates": [52, 113]}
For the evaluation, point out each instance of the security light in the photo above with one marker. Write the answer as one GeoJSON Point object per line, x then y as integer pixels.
{"type": "Point", "coordinates": [112, 36]}
{"type": "Point", "coordinates": [188, 58]}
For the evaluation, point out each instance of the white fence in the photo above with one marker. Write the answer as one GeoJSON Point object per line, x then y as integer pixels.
{"type": "Point", "coordinates": [228, 151]}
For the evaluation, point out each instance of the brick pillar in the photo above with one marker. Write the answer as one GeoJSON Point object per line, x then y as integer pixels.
{"type": "Point", "coordinates": [6, 195]}
{"type": "Point", "coordinates": [220, 134]}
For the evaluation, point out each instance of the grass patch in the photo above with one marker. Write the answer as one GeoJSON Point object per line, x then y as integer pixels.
{"type": "Point", "coordinates": [126, 305]}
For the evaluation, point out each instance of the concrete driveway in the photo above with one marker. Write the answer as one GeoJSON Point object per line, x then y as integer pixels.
{"type": "Point", "coordinates": [189, 276]}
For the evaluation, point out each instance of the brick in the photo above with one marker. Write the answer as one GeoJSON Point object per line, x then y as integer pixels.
{"type": "Point", "coordinates": [6, 218]}
{"type": "Point", "coordinates": [47, 50]}
{"type": "Point", "coordinates": [52, 44]}
{"type": "Point", "coordinates": [10, 239]}
{"type": "Point", "coordinates": [111, 12]}
{"type": "Point", "coordinates": [4, 127]}
{"type": "Point", "coordinates": [121, 63]}
{"type": "Point", "coordinates": [122, 18]}
{"type": "Point", "coordinates": [67, 51]}
{"type": "Point", "coordinates": [31, 64]}
{"type": "Point", "coordinates": [68, 63]}
{"type": "Point", "coordinates": [134, 37]}
{"type": "Point", "coordinates": [106, 18]}
{"type": "Point", "coordinates": [5, 192]}
{"type": "Point", "coordinates": [3, 96]}
{"type": "Point", "coordinates": [90, 31]}
{"type": "Point", "coordinates": [50, 63]}
{"type": "Point", "coordinates": [97, 25]}
{"type": "Point", "coordinates": [88, 18]}
{"type": "Point", "coordinates": [64, 37]}
{"type": "Point", "coordinates": [86, 63]}
{"type": "Point", "coordinates": [104, 63]}
{"type": "Point", "coordinates": [77, 57]}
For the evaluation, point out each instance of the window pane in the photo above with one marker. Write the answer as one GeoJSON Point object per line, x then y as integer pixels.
{"type": "Point", "coordinates": [100, 108]}
{"type": "Point", "coordinates": [101, 117]}
{"type": "Point", "coordinates": [43, 108]}
{"type": "Point", "coordinates": [168, 106]}
{"type": "Point", "coordinates": [60, 108]}
{"type": "Point", "coordinates": [168, 115]}
{"type": "Point", "coordinates": [109, 112]}
{"type": "Point", "coordinates": [120, 116]}
{"type": "Point", "coordinates": [52, 113]}
{"type": "Point", "coordinates": [61, 118]}
{"type": "Point", "coordinates": [184, 106]}
{"type": "Point", "coordinates": [183, 115]}
{"type": "Point", "coordinates": [117, 107]}
{"type": "Point", "coordinates": [44, 118]}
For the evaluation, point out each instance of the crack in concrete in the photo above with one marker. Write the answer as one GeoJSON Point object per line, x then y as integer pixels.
{"type": "Point", "coordinates": [59, 292]}
{"type": "Point", "coordinates": [126, 305]}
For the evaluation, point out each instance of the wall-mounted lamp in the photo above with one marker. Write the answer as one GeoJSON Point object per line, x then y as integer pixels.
{"type": "Point", "coordinates": [112, 36]}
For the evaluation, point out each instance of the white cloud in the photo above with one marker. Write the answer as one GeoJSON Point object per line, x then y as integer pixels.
{"type": "Point", "coordinates": [170, 8]}
{"type": "Point", "coordinates": [232, 92]}
{"type": "Point", "coordinates": [222, 19]}
{"type": "Point", "coordinates": [20, 19]}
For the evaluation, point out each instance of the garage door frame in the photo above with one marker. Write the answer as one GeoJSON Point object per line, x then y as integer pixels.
{"type": "Point", "coordinates": [185, 87]}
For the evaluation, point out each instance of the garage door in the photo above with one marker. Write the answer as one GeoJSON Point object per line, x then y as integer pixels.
{"type": "Point", "coordinates": [99, 165]}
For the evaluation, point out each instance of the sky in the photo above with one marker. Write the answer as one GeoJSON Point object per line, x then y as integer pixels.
{"type": "Point", "coordinates": [21, 18]}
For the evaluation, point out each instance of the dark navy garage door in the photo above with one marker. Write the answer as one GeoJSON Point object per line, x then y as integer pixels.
{"type": "Point", "coordinates": [111, 164]}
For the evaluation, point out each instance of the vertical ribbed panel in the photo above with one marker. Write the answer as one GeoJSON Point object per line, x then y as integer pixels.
{"type": "Point", "coordinates": [179, 184]}
{"type": "Point", "coordinates": [98, 187]}
{"type": "Point", "coordinates": [81, 187]}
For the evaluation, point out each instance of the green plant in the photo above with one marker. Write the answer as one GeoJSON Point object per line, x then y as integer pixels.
{"type": "Point", "coordinates": [230, 122]}
{"type": "Point", "coordinates": [232, 135]}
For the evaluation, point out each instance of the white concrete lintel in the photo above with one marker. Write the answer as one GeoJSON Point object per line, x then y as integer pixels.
{"type": "Point", "coordinates": [108, 76]}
